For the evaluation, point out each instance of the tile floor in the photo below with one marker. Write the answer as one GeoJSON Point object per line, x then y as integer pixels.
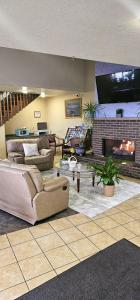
{"type": "Point", "coordinates": [32, 256]}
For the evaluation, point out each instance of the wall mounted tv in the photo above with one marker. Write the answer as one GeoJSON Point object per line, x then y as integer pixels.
{"type": "Point", "coordinates": [119, 87]}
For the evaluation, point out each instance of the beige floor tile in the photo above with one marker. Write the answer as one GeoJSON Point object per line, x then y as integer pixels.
{"type": "Point", "coordinates": [136, 241]}
{"type": "Point", "coordinates": [86, 257]}
{"type": "Point", "coordinates": [83, 248]}
{"type": "Point", "coordinates": [66, 267]}
{"type": "Point", "coordinates": [19, 236]}
{"type": "Point", "coordinates": [6, 257]}
{"type": "Point", "coordinates": [102, 240]}
{"type": "Point", "coordinates": [50, 241]}
{"type": "Point", "coordinates": [106, 223]}
{"type": "Point", "coordinates": [27, 249]}
{"type": "Point", "coordinates": [41, 230]}
{"type": "Point", "coordinates": [134, 213]}
{"type": "Point", "coordinates": [60, 256]}
{"type": "Point", "coordinates": [33, 283]}
{"type": "Point", "coordinates": [120, 232]}
{"type": "Point", "coordinates": [78, 219]}
{"type": "Point", "coordinates": [99, 216]}
{"type": "Point", "coordinates": [124, 206]}
{"type": "Point", "coordinates": [60, 224]}
{"type": "Point", "coordinates": [89, 228]}
{"type": "Point", "coordinates": [9, 276]}
{"type": "Point", "coordinates": [134, 202]}
{"type": "Point", "coordinates": [14, 292]}
{"type": "Point", "coordinates": [35, 266]}
{"type": "Point", "coordinates": [70, 235]}
{"type": "Point", "coordinates": [111, 211]}
{"type": "Point", "coordinates": [133, 227]}
{"type": "Point", "coordinates": [121, 218]}
{"type": "Point", "coordinates": [4, 243]}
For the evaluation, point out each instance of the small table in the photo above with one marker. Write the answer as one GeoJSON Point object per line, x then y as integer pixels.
{"type": "Point", "coordinates": [80, 171]}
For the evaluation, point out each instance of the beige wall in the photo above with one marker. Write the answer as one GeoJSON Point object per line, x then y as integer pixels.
{"type": "Point", "coordinates": [25, 118]}
{"type": "Point", "coordinates": [25, 68]}
{"type": "Point", "coordinates": [2, 142]}
{"type": "Point", "coordinates": [56, 120]}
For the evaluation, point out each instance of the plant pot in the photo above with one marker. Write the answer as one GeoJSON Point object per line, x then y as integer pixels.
{"type": "Point", "coordinates": [63, 162]}
{"type": "Point", "coordinates": [108, 190]}
{"type": "Point", "coordinates": [120, 115]}
{"type": "Point", "coordinates": [80, 151]}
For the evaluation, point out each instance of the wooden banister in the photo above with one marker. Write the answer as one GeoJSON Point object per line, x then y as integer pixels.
{"type": "Point", "coordinates": [12, 103]}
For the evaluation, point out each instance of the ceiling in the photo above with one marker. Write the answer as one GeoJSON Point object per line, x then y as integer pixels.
{"type": "Point", "coordinates": [101, 30]}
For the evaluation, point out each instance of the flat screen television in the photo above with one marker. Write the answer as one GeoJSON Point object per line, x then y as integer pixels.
{"type": "Point", "coordinates": [119, 87]}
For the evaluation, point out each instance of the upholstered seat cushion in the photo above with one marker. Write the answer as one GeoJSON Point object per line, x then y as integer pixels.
{"type": "Point", "coordinates": [31, 160]}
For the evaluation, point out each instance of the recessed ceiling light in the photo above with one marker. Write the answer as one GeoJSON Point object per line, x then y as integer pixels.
{"type": "Point", "coordinates": [24, 90]}
{"type": "Point", "coordinates": [43, 95]}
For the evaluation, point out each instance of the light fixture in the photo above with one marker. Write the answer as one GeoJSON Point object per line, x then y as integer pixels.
{"type": "Point", "coordinates": [43, 95]}
{"type": "Point", "coordinates": [24, 90]}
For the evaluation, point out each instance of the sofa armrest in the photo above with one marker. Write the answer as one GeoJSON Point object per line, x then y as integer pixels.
{"type": "Point", "coordinates": [45, 152]}
{"type": "Point", "coordinates": [15, 154]}
{"type": "Point", "coordinates": [54, 184]}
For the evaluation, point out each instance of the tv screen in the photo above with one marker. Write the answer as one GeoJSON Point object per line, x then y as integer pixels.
{"type": "Point", "coordinates": [118, 87]}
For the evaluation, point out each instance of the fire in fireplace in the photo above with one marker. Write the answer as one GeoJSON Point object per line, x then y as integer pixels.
{"type": "Point", "coordinates": [123, 149]}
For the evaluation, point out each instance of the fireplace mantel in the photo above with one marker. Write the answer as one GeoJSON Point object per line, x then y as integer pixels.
{"type": "Point", "coordinates": [116, 119]}
{"type": "Point", "coordinates": [115, 128]}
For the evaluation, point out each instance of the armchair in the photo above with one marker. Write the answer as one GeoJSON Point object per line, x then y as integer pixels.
{"type": "Point", "coordinates": [44, 161]}
{"type": "Point", "coordinates": [29, 196]}
{"type": "Point", "coordinates": [55, 142]}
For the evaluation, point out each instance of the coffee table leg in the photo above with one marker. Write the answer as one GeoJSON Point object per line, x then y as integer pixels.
{"type": "Point", "coordinates": [73, 175]}
{"type": "Point", "coordinates": [78, 182]}
{"type": "Point", "coordinates": [93, 179]}
{"type": "Point", "coordinates": [58, 172]}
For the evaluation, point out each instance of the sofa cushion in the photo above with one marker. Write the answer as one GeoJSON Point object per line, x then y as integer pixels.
{"type": "Point", "coordinates": [31, 160]}
{"type": "Point", "coordinates": [30, 149]}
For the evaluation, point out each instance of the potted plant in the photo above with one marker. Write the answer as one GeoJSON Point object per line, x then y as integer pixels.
{"type": "Point", "coordinates": [64, 160]}
{"type": "Point", "coordinates": [119, 113]}
{"type": "Point", "coordinates": [109, 174]}
{"type": "Point", "coordinates": [80, 149]}
{"type": "Point", "coordinates": [90, 109]}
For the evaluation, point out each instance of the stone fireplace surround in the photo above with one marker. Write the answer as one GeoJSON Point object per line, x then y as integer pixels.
{"type": "Point", "coordinates": [117, 128]}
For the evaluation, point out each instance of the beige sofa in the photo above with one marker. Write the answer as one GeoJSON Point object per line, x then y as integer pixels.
{"type": "Point", "coordinates": [44, 161]}
{"type": "Point", "coordinates": [24, 194]}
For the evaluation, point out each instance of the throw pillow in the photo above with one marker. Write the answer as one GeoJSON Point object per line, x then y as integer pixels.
{"type": "Point", "coordinates": [30, 149]}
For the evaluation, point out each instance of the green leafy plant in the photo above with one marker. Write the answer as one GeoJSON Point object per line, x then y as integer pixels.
{"type": "Point", "coordinates": [108, 173]}
{"type": "Point", "coordinates": [90, 109]}
{"type": "Point", "coordinates": [119, 111]}
{"type": "Point", "coordinates": [65, 157]}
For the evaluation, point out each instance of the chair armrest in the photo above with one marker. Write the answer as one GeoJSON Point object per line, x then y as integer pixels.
{"type": "Point", "coordinates": [54, 184]}
{"type": "Point", "coordinates": [45, 152]}
{"type": "Point", "coordinates": [60, 139]}
{"type": "Point", "coordinates": [15, 154]}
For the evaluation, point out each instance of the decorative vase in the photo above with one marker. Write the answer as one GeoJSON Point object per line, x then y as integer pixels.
{"type": "Point", "coordinates": [80, 150]}
{"type": "Point", "coordinates": [108, 190]}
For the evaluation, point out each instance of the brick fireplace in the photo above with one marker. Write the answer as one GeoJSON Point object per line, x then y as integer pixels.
{"type": "Point", "coordinates": [126, 133]}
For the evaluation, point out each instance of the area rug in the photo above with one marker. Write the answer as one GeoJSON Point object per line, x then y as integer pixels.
{"type": "Point", "coordinates": [91, 201]}
{"type": "Point", "coordinates": [112, 274]}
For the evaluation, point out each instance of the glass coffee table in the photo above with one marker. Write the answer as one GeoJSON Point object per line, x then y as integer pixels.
{"type": "Point", "coordinates": [79, 171]}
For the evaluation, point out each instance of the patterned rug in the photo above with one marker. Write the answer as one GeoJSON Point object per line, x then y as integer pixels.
{"type": "Point", "coordinates": [91, 201]}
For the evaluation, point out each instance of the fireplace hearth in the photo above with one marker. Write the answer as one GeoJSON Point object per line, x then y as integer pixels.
{"type": "Point", "coordinates": [117, 148]}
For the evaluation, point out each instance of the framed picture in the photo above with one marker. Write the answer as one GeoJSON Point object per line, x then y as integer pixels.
{"type": "Point", "coordinates": [73, 108]}
{"type": "Point", "coordinates": [37, 114]}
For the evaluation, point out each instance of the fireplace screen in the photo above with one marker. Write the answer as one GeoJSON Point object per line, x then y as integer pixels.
{"type": "Point", "coordinates": [124, 149]}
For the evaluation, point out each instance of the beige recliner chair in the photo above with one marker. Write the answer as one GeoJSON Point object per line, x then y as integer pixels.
{"type": "Point", "coordinates": [44, 161]}
{"type": "Point", "coordinates": [23, 192]}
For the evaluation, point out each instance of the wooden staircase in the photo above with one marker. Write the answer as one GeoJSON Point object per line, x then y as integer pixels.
{"type": "Point", "coordinates": [12, 103]}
